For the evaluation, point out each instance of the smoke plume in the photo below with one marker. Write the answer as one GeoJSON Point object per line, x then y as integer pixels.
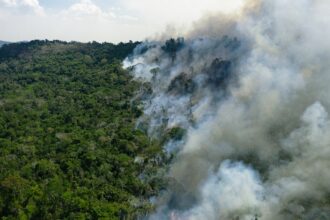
{"type": "Point", "coordinates": [252, 93]}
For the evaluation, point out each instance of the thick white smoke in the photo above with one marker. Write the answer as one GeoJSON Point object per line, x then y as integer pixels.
{"type": "Point", "coordinates": [252, 92]}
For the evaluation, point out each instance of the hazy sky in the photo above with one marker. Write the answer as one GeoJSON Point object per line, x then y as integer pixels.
{"type": "Point", "coordinates": [101, 20]}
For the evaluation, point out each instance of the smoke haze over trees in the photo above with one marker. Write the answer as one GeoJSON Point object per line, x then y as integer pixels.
{"type": "Point", "coordinates": [229, 120]}
{"type": "Point", "coordinates": [250, 93]}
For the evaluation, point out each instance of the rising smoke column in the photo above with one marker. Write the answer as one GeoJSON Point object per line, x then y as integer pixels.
{"type": "Point", "coordinates": [252, 91]}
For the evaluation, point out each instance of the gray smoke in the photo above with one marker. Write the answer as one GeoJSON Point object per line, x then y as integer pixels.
{"type": "Point", "coordinates": [252, 92]}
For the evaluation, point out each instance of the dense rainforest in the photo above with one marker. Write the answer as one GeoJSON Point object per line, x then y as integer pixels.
{"type": "Point", "coordinates": [69, 147]}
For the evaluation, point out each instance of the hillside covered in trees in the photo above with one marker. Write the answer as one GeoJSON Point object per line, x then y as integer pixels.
{"type": "Point", "coordinates": [3, 43]}
{"type": "Point", "coordinates": [69, 148]}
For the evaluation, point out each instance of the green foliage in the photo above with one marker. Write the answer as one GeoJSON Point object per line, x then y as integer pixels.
{"type": "Point", "coordinates": [175, 133]}
{"type": "Point", "coordinates": [68, 144]}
